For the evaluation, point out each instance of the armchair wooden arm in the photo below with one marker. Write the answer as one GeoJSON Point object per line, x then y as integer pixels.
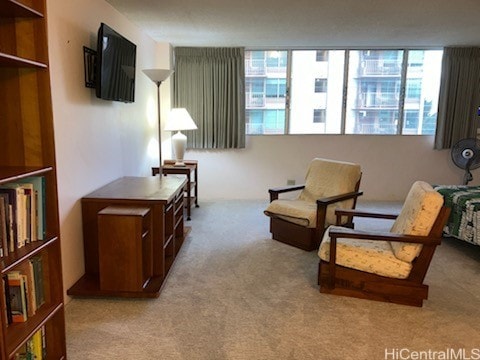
{"type": "Point", "coordinates": [279, 190]}
{"type": "Point", "coordinates": [333, 199]}
{"type": "Point", "coordinates": [351, 213]}
{"type": "Point", "coordinates": [382, 236]}
{"type": "Point", "coordinates": [323, 203]}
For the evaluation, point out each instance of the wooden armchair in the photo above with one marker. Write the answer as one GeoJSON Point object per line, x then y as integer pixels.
{"type": "Point", "coordinates": [389, 266]}
{"type": "Point", "coordinates": [301, 222]}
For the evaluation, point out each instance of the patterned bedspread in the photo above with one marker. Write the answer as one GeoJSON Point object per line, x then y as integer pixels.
{"type": "Point", "coordinates": [464, 220]}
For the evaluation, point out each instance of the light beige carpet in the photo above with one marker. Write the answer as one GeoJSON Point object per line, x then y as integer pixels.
{"type": "Point", "coordinates": [234, 293]}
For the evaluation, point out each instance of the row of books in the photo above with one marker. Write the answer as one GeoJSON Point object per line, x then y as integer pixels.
{"type": "Point", "coordinates": [24, 290]}
{"type": "Point", "coordinates": [34, 348]}
{"type": "Point", "coordinates": [22, 213]}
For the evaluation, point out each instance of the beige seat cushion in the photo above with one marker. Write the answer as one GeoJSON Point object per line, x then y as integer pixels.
{"type": "Point", "coordinates": [375, 257]}
{"type": "Point", "coordinates": [419, 212]}
{"type": "Point", "coordinates": [324, 178]}
{"type": "Point", "coordinates": [300, 212]}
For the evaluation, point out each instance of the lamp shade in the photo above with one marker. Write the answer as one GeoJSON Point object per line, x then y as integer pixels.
{"type": "Point", "coordinates": [158, 75]}
{"type": "Point", "coordinates": [179, 119]}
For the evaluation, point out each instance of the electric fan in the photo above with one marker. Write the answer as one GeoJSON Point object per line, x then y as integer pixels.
{"type": "Point", "coordinates": [466, 155]}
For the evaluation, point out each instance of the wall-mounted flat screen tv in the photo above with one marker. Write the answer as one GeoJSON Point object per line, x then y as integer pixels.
{"type": "Point", "coordinates": [116, 58]}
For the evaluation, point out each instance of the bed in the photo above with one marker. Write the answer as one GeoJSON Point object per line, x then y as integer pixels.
{"type": "Point", "coordinates": [464, 220]}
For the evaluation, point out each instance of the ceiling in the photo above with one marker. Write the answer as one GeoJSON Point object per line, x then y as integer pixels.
{"type": "Point", "coordinates": [307, 23]}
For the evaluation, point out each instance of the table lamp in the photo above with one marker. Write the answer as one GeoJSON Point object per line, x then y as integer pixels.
{"type": "Point", "coordinates": [179, 119]}
{"type": "Point", "coordinates": [158, 76]}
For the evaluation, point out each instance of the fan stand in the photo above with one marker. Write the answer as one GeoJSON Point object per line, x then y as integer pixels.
{"type": "Point", "coordinates": [468, 175]}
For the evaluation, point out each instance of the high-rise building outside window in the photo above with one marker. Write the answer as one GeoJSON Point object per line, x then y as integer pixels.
{"type": "Point", "coordinates": [373, 91]}
{"type": "Point", "coordinates": [305, 70]}
{"type": "Point", "coordinates": [354, 92]}
{"type": "Point", "coordinates": [266, 92]}
{"type": "Point", "coordinates": [422, 83]}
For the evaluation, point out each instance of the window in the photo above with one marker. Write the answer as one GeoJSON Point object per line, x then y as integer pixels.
{"type": "Point", "coordinates": [422, 87]}
{"type": "Point", "coordinates": [319, 116]}
{"type": "Point", "coordinates": [265, 121]}
{"type": "Point", "coordinates": [321, 55]}
{"type": "Point", "coordinates": [305, 70]}
{"type": "Point", "coordinates": [411, 119]}
{"type": "Point", "coordinates": [255, 91]}
{"type": "Point", "coordinates": [275, 88]}
{"type": "Point", "coordinates": [266, 92]}
{"type": "Point", "coordinates": [354, 92]}
{"type": "Point", "coordinates": [414, 90]}
{"type": "Point", "coordinates": [373, 88]}
{"type": "Point", "coordinates": [320, 85]}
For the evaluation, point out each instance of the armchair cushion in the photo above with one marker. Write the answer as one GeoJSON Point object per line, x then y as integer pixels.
{"type": "Point", "coordinates": [419, 212]}
{"type": "Point", "coordinates": [371, 256]}
{"type": "Point", "coordinates": [324, 178]}
{"type": "Point", "coordinates": [300, 212]}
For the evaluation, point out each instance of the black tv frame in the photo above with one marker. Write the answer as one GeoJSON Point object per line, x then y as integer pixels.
{"type": "Point", "coordinates": [98, 65]}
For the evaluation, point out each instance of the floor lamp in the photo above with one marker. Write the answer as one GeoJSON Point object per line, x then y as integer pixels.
{"type": "Point", "coordinates": [158, 76]}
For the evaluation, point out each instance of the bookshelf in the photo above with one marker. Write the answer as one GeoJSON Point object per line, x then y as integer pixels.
{"type": "Point", "coordinates": [27, 151]}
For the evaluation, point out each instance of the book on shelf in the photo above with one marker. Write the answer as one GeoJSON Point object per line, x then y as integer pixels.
{"type": "Point", "coordinates": [26, 270]}
{"type": "Point", "coordinates": [3, 226]}
{"type": "Point", "coordinates": [38, 183]}
{"type": "Point", "coordinates": [30, 212]}
{"type": "Point", "coordinates": [24, 290]}
{"type": "Point", "coordinates": [22, 213]}
{"type": "Point", "coordinates": [18, 297]}
{"type": "Point", "coordinates": [38, 339]}
{"type": "Point", "coordinates": [11, 196]}
{"type": "Point", "coordinates": [6, 218]}
{"type": "Point", "coordinates": [8, 308]}
{"type": "Point", "coordinates": [34, 348]}
{"type": "Point", "coordinates": [18, 200]}
{"type": "Point", "coordinates": [37, 265]}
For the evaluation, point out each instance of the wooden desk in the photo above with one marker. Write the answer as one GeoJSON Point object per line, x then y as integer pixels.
{"type": "Point", "coordinates": [163, 198]}
{"type": "Point", "coordinates": [190, 170]}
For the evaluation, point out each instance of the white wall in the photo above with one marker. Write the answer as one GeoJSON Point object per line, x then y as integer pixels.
{"type": "Point", "coordinates": [97, 141]}
{"type": "Point", "coordinates": [390, 164]}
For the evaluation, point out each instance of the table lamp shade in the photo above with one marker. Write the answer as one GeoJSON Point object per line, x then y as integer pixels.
{"type": "Point", "coordinates": [179, 119]}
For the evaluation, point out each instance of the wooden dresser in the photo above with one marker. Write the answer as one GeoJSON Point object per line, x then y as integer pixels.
{"type": "Point", "coordinates": [133, 230]}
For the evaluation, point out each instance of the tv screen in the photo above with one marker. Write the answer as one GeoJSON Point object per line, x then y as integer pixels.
{"type": "Point", "coordinates": [116, 66]}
